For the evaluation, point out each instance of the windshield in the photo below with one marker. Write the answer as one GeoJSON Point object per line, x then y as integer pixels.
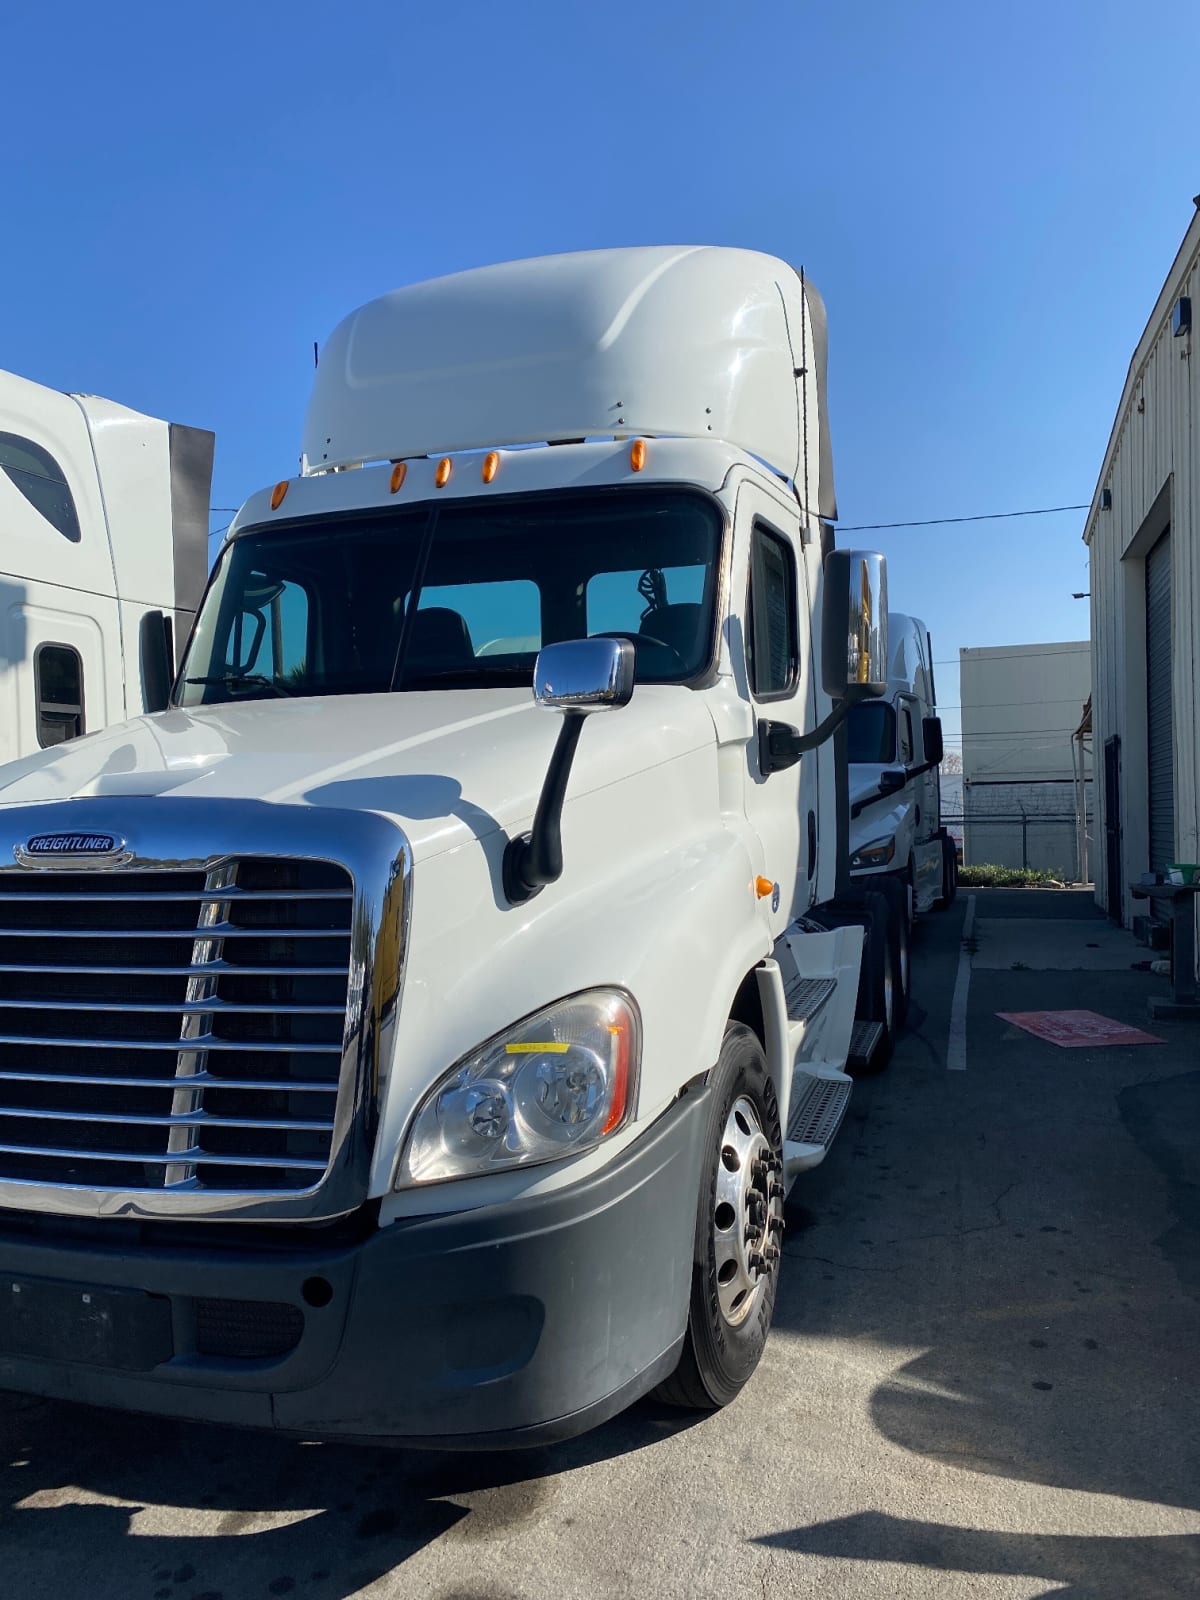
{"type": "Point", "coordinates": [325, 607]}
{"type": "Point", "coordinates": [872, 734]}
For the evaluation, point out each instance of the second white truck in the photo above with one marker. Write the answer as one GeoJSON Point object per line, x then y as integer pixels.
{"type": "Point", "coordinates": [895, 750]}
{"type": "Point", "coordinates": [103, 557]}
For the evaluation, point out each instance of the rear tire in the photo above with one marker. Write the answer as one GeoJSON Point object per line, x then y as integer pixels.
{"type": "Point", "coordinates": [899, 898]}
{"type": "Point", "coordinates": [739, 1231]}
{"type": "Point", "coordinates": [949, 876]}
{"type": "Point", "coordinates": [878, 987]}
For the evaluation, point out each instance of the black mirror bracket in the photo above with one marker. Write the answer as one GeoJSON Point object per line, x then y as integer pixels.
{"type": "Point", "coordinates": [780, 746]}
{"type": "Point", "coordinates": [534, 859]}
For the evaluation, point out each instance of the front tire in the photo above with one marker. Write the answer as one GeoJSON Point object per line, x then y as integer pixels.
{"type": "Point", "coordinates": [739, 1231]}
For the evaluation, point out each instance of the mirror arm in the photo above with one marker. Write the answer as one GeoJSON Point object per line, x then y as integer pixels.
{"type": "Point", "coordinates": [535, 859]}
{"type": "Point", "coordinates": [780, 746]}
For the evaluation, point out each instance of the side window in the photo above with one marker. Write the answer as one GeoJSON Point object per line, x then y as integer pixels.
{"type": "Point", "coordinates": [907, 747]}
{"type": "Point", "coordinates": [772, 647]}
{"type": "Point", "coordinates": [35, 473]}
{"type": "Point", "coordinates": [623, 602]}
{"type": "Point", "coordinates": [269, 638]}
{"type": "Point", "coordinates": [58, 685]}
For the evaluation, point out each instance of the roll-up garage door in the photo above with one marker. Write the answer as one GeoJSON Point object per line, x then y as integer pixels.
{"type": "Point", "coordinates": [1159, 735]}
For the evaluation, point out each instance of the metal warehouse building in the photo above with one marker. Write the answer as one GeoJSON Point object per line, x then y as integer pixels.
{"type": "Point", "coordinates": [1143, 533]}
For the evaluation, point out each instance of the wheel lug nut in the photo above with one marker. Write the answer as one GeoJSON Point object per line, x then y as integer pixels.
{"type": "Point", "coordinates": [772, 1252]}
{"type": "Point", "coordinates": [776, 1191]}
{"type": "Point", "coordinates": [776, 1225]}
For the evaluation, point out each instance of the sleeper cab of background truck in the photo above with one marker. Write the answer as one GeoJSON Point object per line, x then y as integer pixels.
{"type": "Point", "coordinates": [427, 1290]}
{"type": "Point", "coordinates": [105, 519]}
{"type": "Point", "coordinates": [895, 826]}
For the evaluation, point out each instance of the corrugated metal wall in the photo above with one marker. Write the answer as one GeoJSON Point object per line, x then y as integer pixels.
{"type": "Point", "coordinates": [1153, 472]}
{"type": "Point", "coordinates": [1160, 769]}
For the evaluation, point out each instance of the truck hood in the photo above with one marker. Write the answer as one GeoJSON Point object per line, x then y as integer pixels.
{"type": "Point", "coordinates": [884, 814]}
{"type": "Point", "coordinates": [448, 766]}
{"type": "Point", "coordinates": [864, 779]}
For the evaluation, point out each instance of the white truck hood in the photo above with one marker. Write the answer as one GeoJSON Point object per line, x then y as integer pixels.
{"type": "Point", "coordinates": [448, 766]}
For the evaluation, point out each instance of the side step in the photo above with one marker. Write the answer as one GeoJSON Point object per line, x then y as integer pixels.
{"type": "Point", "coordinates": [819, 1103]}
{"type": "Point", "coordinates": [807, 996]}
{"type": "Point", "coordinates": [864, 1041]}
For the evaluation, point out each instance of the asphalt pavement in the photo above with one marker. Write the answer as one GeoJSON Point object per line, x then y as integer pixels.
{"type": "Point", "coordinates": [983, 1378]}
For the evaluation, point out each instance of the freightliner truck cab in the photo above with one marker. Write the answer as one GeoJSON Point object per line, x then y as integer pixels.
{"type": "Point", "coordinates": [411, 1031]}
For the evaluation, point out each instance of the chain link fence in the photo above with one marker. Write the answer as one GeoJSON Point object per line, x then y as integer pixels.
{"type": "Point", "coordinates": [1043, 841]}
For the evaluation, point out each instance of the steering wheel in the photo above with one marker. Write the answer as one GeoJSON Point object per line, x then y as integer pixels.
{"type": "Point", "coordinates": [637, 640]}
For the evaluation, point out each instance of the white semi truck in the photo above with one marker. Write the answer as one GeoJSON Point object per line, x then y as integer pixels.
{"type": "Point", "coordinates": [103, 552]}
{"type": "Point", "coordinates": [895, 750]}
{"type": "Point", "coordinates": [389, 1051]}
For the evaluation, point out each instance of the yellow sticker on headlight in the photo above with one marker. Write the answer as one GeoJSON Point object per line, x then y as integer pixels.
{"type": "Point", "coordinates": [552, 1049]}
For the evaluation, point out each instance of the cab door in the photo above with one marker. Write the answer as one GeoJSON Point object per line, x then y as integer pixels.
{"type": "Point", "coordinates": [781, 806]}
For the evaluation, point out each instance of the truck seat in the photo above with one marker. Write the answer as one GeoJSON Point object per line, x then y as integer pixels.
{"type": "Point", "coordinates": [441, 640]}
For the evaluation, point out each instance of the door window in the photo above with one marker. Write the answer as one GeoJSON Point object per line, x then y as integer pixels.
{"type": "Point", "coordinates": [907, 746]}
{"type": "Point", "coordinates": [58, 685]}
{"type": "Point", "coordinates": [772, 645]}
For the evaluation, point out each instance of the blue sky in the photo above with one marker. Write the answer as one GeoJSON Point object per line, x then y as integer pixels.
{"type": "Point", "coordinates": [989, 200]}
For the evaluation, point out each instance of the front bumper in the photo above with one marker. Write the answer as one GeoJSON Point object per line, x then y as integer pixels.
{"type": "Point", "coordinates": [511, 1324]}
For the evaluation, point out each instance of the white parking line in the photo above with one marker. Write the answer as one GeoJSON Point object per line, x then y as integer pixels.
{"type": "Point", "coordinates": [956, 1049]}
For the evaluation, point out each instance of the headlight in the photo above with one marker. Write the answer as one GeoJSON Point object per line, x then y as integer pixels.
{"type": "Point", "coordinates": [558, 1082]}
{"type": "Point", "coordinates": [876, 854]}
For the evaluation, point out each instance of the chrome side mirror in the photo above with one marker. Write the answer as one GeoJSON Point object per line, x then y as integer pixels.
{"type": "Point", "coordinates": [854, 623]}
{"type": "Point", "coordinates": [584, 675]}
{"type": "Point", "coordinates": [576, 677]}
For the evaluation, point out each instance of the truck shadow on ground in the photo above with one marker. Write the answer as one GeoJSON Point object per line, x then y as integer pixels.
{"type": "Point", "coordinates": [353, 1514]}
{"type": "Point", "coordinates": [1096, 1567]}
{"type": "Point", "coordinates": [1059, 1321]}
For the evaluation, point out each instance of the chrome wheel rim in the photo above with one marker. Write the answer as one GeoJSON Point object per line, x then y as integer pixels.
{"type": "Point", "coordinates": [748, 1214]}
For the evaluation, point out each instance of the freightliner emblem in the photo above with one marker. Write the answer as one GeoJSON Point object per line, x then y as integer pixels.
{"type": "Point", "coordinates": [51, 849]}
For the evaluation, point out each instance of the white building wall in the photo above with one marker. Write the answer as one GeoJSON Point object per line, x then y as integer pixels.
{"type": "Point", "coordinates": [1151, 470]}
{"type": "Point", "coordinates": [1021, 704]}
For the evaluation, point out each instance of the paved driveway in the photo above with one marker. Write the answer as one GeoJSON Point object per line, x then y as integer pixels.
{"type": "Point", "coordinates": [983, 1378]}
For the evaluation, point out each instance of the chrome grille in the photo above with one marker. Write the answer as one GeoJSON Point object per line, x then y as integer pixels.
{"type": "Point", "coordinates": [173, 1030]}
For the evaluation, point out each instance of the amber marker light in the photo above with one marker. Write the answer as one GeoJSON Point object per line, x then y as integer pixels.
{"type": "Point", "coordinates": [621, 1045]}
{"type": "Point", "coordinates": [763, 887]}
{"type": "Point", "coordinates": [442, 476]}
{"type": "Point", "coordinates": [637, 455]}
{"type": "Point", "coordinates": [277, 494]}
{"type": "Point", "coordinates": [491, 466]}
{"type": "Point", "coordinates": [399, 473]}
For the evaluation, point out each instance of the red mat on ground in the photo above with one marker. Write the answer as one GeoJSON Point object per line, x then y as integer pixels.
{"type": "Point", "coordinates": [1075, 1030]}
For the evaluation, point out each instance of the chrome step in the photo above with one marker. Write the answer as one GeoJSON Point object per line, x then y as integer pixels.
{"type": "Point", "coordinates": [807, 996]}
{"type": "Point", "coordinates": [818, 1110]}
{"type": "Point", "coordinates": [864, 1041]}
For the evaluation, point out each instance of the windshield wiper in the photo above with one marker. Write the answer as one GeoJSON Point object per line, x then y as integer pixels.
{"type": "Point", "coordinates": [235, 680]}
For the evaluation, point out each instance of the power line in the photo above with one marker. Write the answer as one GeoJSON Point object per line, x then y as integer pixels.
{"type": "Point", "coordinates": [1025, 654]}
{"type": "Point", "coordinates": [938, 522]}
